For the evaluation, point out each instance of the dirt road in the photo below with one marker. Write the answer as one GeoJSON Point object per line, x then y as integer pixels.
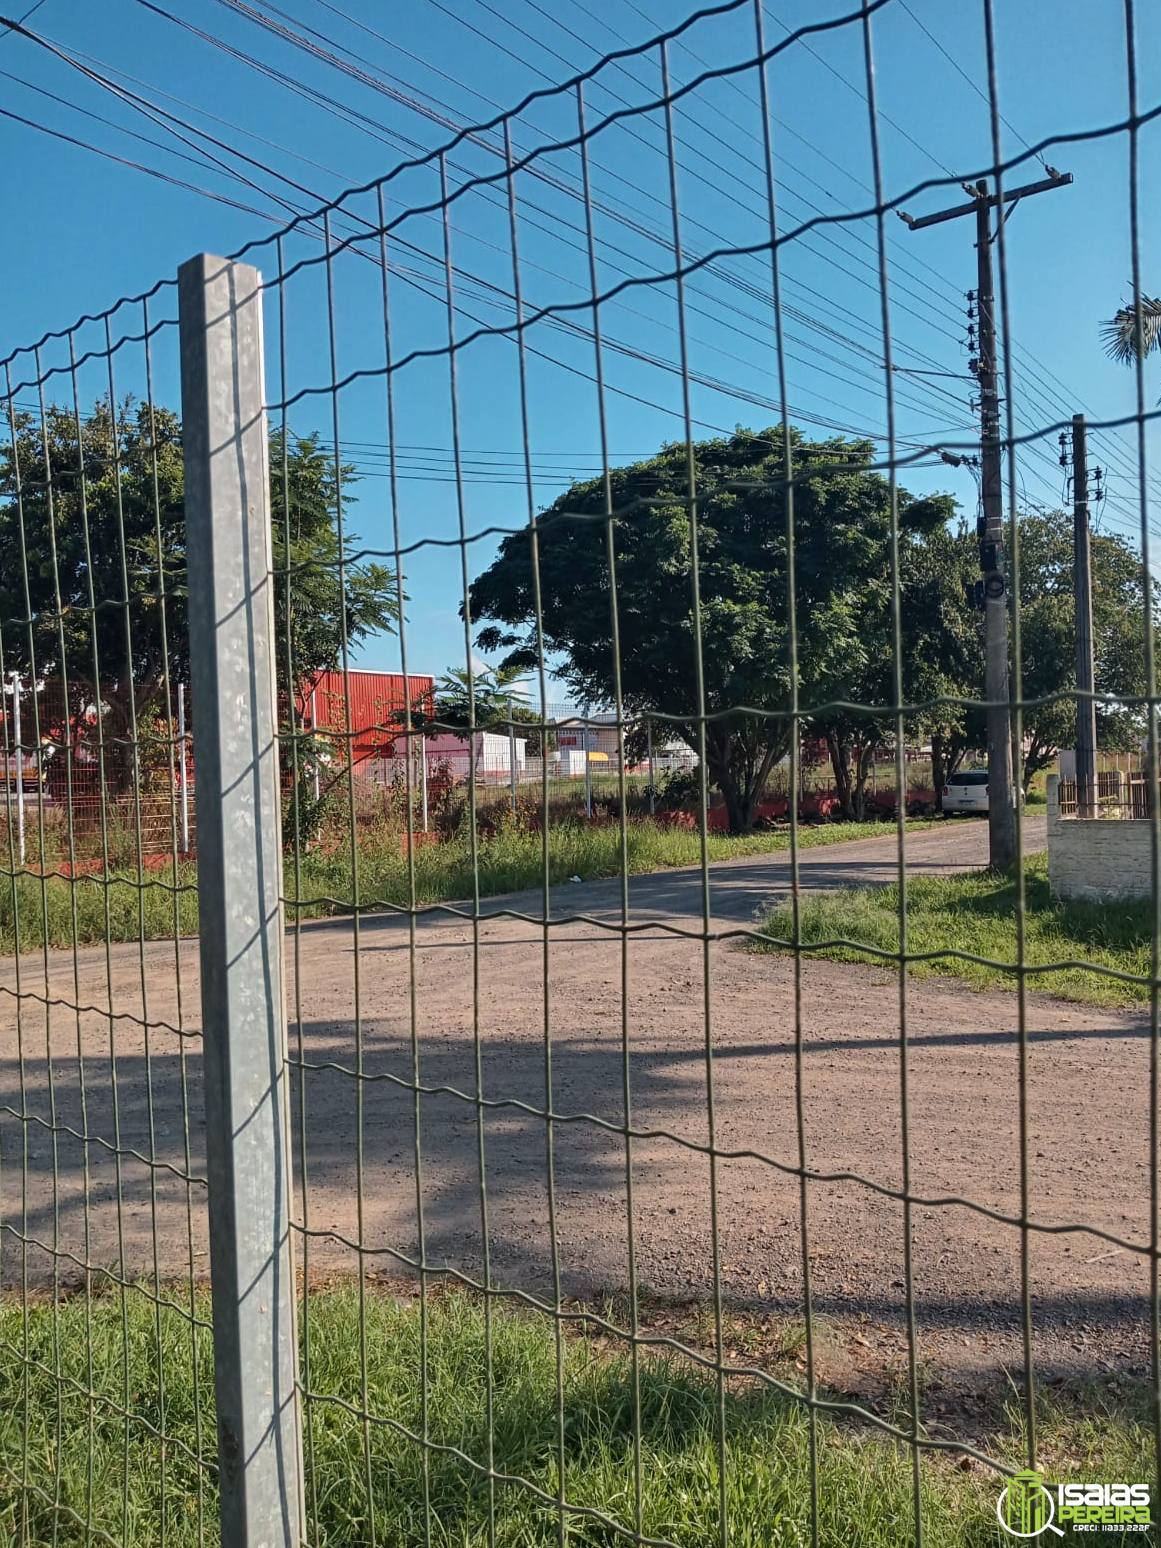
{"type": "Point", "coordinates": [741, 890]}
{"type": "Point", "coordinates": [1088, 1119]}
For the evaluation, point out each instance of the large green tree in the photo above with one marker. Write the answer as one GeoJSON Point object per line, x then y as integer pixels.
{"type": "Point", "coordinates": [93, 591]}
{"type": "Point", "coordinates": [943, 651]}
{"type": "Point", "coordinates": [742, 633]}
{"type": "Point", "coordinates": [1048, 637]}
{"type": "Point", "coordinates": [941, 659]}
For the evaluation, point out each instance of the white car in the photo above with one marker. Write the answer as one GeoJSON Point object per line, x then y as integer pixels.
{"type": "Point", "coordinates": [967, 791]}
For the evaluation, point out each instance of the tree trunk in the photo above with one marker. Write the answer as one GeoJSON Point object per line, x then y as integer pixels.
{"type": "Point", "coordinates": [840, 763]}
{"type": "Point", "coordinates": [741, 797]}
{"type": "Point", "coordinates": [740, 808]}
{"type": "Point", "coordinates": [864, 759]}
{"type": "Point", "coordinates": [742, 777]}
{"type": "Point", "coordinates": [937, 768]}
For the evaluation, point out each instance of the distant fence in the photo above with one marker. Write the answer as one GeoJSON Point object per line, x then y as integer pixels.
{"type": "Point", "coordinates": [1119, 795]}
{"type": "Point", "coordinates": [82, 785]}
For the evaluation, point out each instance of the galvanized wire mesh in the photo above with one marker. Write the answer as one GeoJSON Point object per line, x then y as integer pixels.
{"type": "Point", "coordinates": [460, 1122]}
{"type": "Point", "coordinates": [400, 1066]}
{"type": "Point", "coordinates": [102, 1197]}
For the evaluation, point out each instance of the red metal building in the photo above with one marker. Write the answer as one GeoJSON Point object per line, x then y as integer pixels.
{"type": "Point", "coordinates": [377, 708]}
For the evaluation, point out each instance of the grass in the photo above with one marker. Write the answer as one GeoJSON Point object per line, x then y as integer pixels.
{"type": "Point", "coordinates": [976, 913]}
{"type": "Point", "coordinates": [513, 859]}
{"type": "Point", "coordinates": [149, 1479]}
{"type": "Point", "coordinates": [63, 909]}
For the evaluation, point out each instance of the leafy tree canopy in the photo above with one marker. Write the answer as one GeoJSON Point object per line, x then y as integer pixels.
{"type": "Point", "coordinates": [93, 571]}
{"type": "Point", "coordinates": [487, 701]}
{"type": "Point", "coordinates": [842, 517]}
{"type": "Point", "coordinates": [941, 658]}
{"type": "Point", "coordinates": [1048, 636]}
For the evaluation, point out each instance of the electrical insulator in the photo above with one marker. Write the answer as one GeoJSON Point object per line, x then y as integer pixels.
{"type": "Point", "coordinates": [1100, 493]}
{"type": "Point", "coordinates": [1063, 439]}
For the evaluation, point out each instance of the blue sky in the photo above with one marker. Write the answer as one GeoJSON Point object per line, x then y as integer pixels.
{"type": "Point", "coordinates": [397, 83]}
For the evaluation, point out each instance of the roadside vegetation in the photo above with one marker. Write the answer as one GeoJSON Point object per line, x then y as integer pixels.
{"type": "Point", "coordinates": [122, 904]}
{"type": "Point", "coordinates": [135, 1477]}
{"type": "Point", "coordinates": [976, 914]}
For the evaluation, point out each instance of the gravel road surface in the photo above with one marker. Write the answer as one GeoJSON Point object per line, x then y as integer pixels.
{"type": "Point", "coordinates": [1088, 1113]}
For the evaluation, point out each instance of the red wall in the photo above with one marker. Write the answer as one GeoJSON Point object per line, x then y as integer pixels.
{"type": "Point", "coordinates": [377, 704]}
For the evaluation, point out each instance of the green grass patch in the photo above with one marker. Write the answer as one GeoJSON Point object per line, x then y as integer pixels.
{"type": "Point", "coordinates": [86, 910]}
{"type": "Point", "coordinates": [90, 909]}
{"type": "Point", "coordinates": [513, 860]}
{"type": "Point", "coordinates": [123, 1438]}
{"type": "Point", "coordinates": [976, 913]}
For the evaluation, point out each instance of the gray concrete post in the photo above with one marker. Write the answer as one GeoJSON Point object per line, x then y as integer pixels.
{"type": "Point", "coordinates": [232, 678]}
{"type": "Point", "coordinates": [588, 775]}
{"type": "Point", "coordinates": [183, 768]}
{"type": "Point", "coordinates": [423, 777]}
{"type": "Point", "coordinates": [652, 769]}
{"type": "Point", "coordinates": [512, 757]}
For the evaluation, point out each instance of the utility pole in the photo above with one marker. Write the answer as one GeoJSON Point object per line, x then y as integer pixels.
{"type": "Point", "coordinates": [1001, 798]}
{"type": "Point", "coordinates": [1086, 780]}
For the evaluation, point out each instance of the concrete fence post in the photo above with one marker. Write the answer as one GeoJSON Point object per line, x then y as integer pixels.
{"type": "Point", "coordinates": [232, 678]}
{"type": "Point", "coordinates": [512, 772]}
{"type": "Point", "coordinates": [588, 773]}
{"type": "Point", "coordinates": [423, 778]}
{"type": "Point", "coordinates": [183, 768]}
{"type": "Point", "coordinates": [16, 688]}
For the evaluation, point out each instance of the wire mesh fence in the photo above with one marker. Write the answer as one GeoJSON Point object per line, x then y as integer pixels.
{"type": "Point", "coordinates": [603, 1228]}
{"type": "Point", "coordinates": [102, 1188]}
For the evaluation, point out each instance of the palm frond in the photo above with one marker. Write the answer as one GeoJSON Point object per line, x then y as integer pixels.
{"type": "Point", "coordinates": [1134, 331]}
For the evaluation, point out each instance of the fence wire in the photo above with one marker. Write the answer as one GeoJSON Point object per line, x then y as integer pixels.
{"type": "Point", "coordinates": [580, 1187]}
{"type": "Point", "coordinates": [105, 1327]}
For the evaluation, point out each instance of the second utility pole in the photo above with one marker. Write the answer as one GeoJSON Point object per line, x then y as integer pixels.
{"type": "Point", "coordinates": [1086, 780]}
{"type": "Point", "coordinates": [1001, 784]}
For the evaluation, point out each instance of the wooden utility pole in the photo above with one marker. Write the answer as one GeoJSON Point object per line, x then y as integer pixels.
{"type": "Point", "coordinates": [1086, 780]}
{"type": "Point", "coordinates": [1001, 782]}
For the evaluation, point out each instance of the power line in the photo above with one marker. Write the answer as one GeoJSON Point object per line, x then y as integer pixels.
{"type": "Point", "coordinates": [136, 101]}
{"type": "Point", "coordinates": [862, 96]}
{"type": "Point", "coordinates": [447, 119]}
{"type": "Point", "coordinates": [109, 123]}
{"type": "Point", "coordinates": [20, 20]}
{"type": "Point", "coordinates": [717, 301]}
{"type": "Point", "coordinates": [958, 68]}
{"type": "Point", "coordinates": [337, 106]}
{"type": "Point", "coordinates": [1041, 371]}
{"type": "Point", "coordinates": [135, 166]}
{"type": "Point", "coordinates": [235, 4]}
